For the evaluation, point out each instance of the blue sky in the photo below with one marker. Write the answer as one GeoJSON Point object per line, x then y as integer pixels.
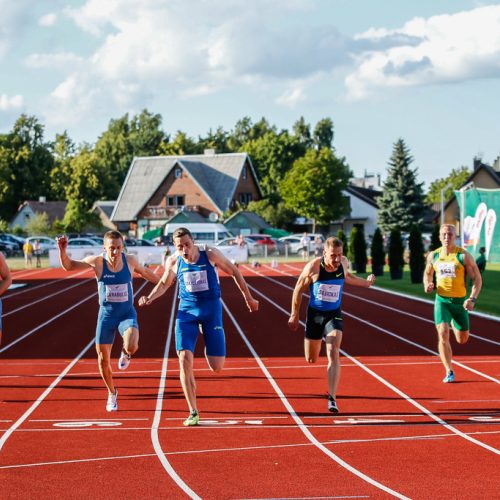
{"type": "Point", "coordinates": [426, 71]}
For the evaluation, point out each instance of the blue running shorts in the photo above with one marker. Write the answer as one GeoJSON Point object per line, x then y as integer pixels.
{"type": "Point", "coordinates": [208, 316]}
{"type": "Point", "coordinates": [107, 324]}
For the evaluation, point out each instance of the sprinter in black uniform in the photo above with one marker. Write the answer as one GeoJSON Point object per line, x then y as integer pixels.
{"type": "Point", "coordinates": [325, 277]}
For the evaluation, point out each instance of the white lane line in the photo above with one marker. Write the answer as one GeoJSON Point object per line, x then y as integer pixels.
{"type": "Point", "coordinates": [45, 323]}
{"type": "Point", "coordinates": [301, 425]}
{"type": "Point", "coordinates": [159, 403]}
{"type": "Point", "coordinates": [394, 388]}
{"type": "Point", "coordinates": [47, 391]}
{"type": "Point", "coordinates": [388, 332]}
{"type": "Point", "coordinates": [47, 297]}
{"type": "Point", "coordinates": [247, 448]}
{"type": "Point", "coordinates": [36, 287]}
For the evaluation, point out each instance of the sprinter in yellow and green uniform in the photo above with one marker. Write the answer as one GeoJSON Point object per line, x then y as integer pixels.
{"type": "Point", "coordinates": [451, 264]}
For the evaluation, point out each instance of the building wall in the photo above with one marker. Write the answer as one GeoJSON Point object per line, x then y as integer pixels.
{"type": "Point", "coordinates": [247, 185]}
{"type": "Point", "coordinates": [182, 186]}
{"type": "Point", "coordinates": [22, 217]}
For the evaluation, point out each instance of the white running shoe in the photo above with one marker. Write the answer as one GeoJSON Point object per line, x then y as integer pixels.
{"type": "Point", "coordinates": [112, 404]}
{"type": "Point", "coordinates": [124, 361]}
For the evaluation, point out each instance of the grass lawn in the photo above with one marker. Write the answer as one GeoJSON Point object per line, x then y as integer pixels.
{"type": "Point", "coordinates": [488, 301]}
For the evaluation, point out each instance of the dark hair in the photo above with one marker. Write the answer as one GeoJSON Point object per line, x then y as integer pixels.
{"type": "Point", "coordinates": [113, 235]}
{"type": "Point", "coordinates": [482, 249]}
{"type": "Point", "coordinates": [180, 232]}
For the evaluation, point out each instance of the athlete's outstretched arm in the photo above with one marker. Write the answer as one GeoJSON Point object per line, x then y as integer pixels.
{"type": "Point", "coordinates": [218, 258]}
{"type": "Point", "coordinates": [350, 279]}
{"type": "Point", "coordinates": [143, 271]}
{"type": "Point", "coordinates": [163, 284]}
{"type": "Point", "coordinates": [305, 279]}
{"type": "Point", "coordinates": [67, 262]}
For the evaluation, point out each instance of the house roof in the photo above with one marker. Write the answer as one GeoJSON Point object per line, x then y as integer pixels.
{"type": "Point", "coordinates": [366, 194]}
{"type": "Point", "coordinates": [106, 206]}
{"type": "Point", "coordinates": [216, 174]}
{"type": "Point", "coordinates": [253, 218]}
{"type": "Point", "coordinates": [53, 209]}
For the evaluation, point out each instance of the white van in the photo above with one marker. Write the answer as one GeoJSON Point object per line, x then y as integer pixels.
{"type": "Point", "coordinates": [207, 233]}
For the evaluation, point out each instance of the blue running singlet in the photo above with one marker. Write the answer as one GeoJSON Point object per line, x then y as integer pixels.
{"type": "Point", "coordinates": [116, 301]}
{"type": "Point", "coordinates": [326, 292]}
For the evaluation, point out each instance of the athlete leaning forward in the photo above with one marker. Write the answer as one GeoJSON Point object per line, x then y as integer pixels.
{"type": "Point", "coordinates": [325, 277]}
{"type": "Point", "coordinates": [200, 307]}
{"type": "Point", "coordinates": [114, 271]}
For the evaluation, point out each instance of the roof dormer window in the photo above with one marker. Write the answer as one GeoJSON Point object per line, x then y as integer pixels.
{"type": "Point", "coordinates": [244, 172]}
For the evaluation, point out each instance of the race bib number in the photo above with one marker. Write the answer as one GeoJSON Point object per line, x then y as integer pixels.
{"type": "Point", "coordinates": [196, 281]}
{"type": "Point", "coordinates": [328, 293]}
{"type": "Point", "coordinates": [446, 270]}
{"type": "Point", "coordinates": [117, 293]}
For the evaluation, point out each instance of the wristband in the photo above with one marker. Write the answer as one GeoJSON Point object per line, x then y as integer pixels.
{"type": "Point", "coordinates": [473, 299]}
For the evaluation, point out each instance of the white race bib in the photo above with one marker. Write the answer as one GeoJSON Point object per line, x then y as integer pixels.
{"type": "Point", "coordinates": [196, 281]}
{"type": "Point", "coordinates": [117, 293]}
{"type": "Point", "coordinates": [328, 293]}
{"type": "Point", "coordinates": [446, 270]}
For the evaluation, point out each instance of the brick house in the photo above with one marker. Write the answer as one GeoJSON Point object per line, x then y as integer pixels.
{"type": "Point", "coordinates": [157, 188]}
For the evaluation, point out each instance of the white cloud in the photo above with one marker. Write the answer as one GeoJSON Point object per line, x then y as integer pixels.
{"type": "Point", "coordinates": [10, 103]}
{"type": "Point", "coordinates": [14, 19]}
{"type": "Point", "coordinates": [441, 49]}
{"type": "Point", "coordinates": [48, 20]}
{"type": "Point", "coordinates": [197, 48]}
{"type": "Point", "coordinates": [292, 97]}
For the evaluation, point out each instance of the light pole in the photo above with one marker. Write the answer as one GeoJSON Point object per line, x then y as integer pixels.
{"type": "Point", "coordinates": [442, 201]}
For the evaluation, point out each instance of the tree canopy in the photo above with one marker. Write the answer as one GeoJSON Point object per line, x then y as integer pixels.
{"type": "Point", "coordinates": [456, 179]}
{"type": "Point", "coordinates": [401, 204]}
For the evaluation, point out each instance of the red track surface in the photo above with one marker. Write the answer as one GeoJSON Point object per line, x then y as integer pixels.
{"type": "Point", "coordinates": [264, 431]}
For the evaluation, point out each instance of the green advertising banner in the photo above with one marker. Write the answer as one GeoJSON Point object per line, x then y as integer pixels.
{"type": "Point", "coordinates": [478, 215]}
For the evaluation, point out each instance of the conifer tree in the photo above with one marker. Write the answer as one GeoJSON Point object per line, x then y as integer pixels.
{"type": "Point", "coordinates": [402, 203]}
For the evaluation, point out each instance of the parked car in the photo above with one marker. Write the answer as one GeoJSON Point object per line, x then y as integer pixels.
{"type": "Point", "coordinates": [5, 249]}
{"type": "Point", "coordinates": [138, 242]}
{"type": "Point", "coordinates": [261, 244]}
{"type": "Point", "coordinates": [82, 242]}
{"type": "Point", "coordinates": [46, 243]}
{"type": "Point", "coordinates": [293, 243]}
{"type": "Point", "coordinates": [11, 238]}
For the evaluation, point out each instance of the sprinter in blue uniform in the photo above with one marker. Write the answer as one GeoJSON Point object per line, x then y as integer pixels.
{"type": "Point", "coordinates": [5, 282]}
{"type": "Point", "coordinates": [200, 307]}
{"type": "Point", "coordinates": [114, 271]}
{"type": "Point", "coordinates": [325, 277]}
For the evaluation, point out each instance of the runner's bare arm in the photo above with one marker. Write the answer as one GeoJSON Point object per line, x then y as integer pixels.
{"type": "Point", "coordinates": [350, 279]}
{"type": "Point", "coordinates": [477, 281]}
{"type": "Point", "coordinates": [5, 276]}
{"type": "Point", "coordinates": [163, 284]}
{"type": "Point", "coordinates": [429, 273]}
{"type": "Point", "coordinates": [216, 257]}
{"type": "Point", "coordinates": [68, 263]}
{"type": "Point", "coordinates": [305, 279]}
{"type": "Point", "coordinates": [143, 271]}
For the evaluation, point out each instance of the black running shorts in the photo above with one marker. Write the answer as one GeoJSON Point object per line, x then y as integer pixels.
{"type": "Point", "coordinates": [320, 323]}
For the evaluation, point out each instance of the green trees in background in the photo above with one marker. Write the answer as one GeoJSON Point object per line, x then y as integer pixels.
{"type": "Point", "coordinates": [435, 241]}
{"type": "Point", "coordinates": [313, 187]}
{"type": "Point", "coordinates": [417, 257]}
{"type": "Point", "coordinates": [396, 250]}
{"type": "Point", "coordinates": [343, 238]}
{"type": "Point", "coordinates": [378, 253]}
{"type": "Point", "coordinates": [456, 179]}
{"type": "Point", "coordinates": [401, 204]}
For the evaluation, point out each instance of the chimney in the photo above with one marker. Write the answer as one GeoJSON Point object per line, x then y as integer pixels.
{"type": "Point", "coordinates": [209, 152]}
{"type": "Point", "coordinates": [477, 162]}
{"type": "Point", "coordinates": [496, 164]}
{"type": "Point", "coordinates": [42, 199]}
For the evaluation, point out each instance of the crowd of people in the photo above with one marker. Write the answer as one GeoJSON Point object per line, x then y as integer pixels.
{"type": "Point", "coordinates": [194, 268]}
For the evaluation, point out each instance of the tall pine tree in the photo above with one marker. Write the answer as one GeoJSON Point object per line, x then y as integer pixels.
{"type": "Point", "coordinates": [402, 203]}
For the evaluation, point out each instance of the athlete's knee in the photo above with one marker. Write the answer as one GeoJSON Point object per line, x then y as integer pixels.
{"type": "Point", "coordinates": [462, 337]}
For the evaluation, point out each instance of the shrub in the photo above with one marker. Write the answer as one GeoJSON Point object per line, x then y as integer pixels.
{"type": "Point", "coordinates": [396, 249]}
{"type": "Point", "coordinates": [417, 258]}
{"type": "Point", "coordinates": [435, 242]}
{"type": "Point", "coordinates": [357, 248]}
{"type": "Point", "coordinates": [378, 253]}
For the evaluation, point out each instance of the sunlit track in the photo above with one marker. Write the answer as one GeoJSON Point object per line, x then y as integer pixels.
{"type": "Point", "coordinates": [157, 415]}
{"type": "Point", "coordinates": [388, 384]}
{"type": "Point", "coordinates": [388, 332]}
{"type": "Point", "coordinates": [56, 381]}
{"type": "Point", "coordinates": [47, 297]}
{"type": "Point", "coordinates": [36, 287]}
{"type": "Point", "coordinates": [298, 420]}
{"type": "Point", "coordinates": [24, 274]}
